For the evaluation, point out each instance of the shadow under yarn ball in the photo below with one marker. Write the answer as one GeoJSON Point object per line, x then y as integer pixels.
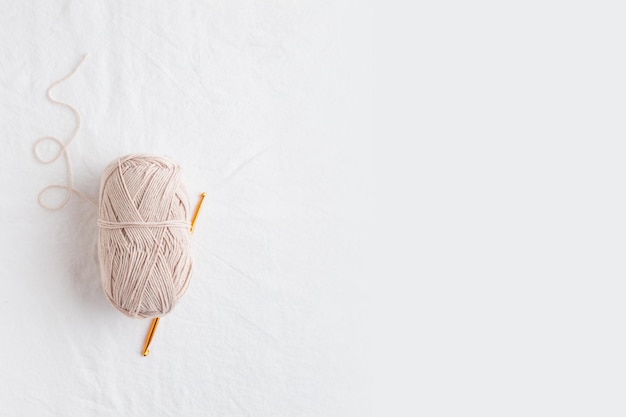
{"type": "Point", "coordinates": [143, 242]}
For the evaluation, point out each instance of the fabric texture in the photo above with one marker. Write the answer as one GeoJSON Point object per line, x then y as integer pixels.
{"type": "Point", "coordinates": [262, 105]}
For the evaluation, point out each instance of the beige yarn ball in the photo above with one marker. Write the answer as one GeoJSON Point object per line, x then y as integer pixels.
{"type": "Point", "coordinates": [144, 237]}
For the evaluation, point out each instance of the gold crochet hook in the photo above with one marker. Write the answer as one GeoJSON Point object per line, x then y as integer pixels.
{"type": "Point", "coordinates": [155, 322]}
{"type": "Point", "coordinates": [198, 207]}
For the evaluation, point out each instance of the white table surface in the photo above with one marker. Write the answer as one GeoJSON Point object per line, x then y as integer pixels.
{"type": "Point", "coordinates": [262, 104]}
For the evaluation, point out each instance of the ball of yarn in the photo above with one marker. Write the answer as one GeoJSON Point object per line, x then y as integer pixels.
{"type": "Point", "coordinates": [143, 242]}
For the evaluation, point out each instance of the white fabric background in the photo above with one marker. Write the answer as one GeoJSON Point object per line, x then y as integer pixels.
{"type": "Point", "coordinates": [264, 106]}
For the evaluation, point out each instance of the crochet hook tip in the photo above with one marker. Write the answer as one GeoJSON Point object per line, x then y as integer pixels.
{"type": "Point", "coordinates": [155, 323]}
{"type": "Point", "coordinates": [198, 207]}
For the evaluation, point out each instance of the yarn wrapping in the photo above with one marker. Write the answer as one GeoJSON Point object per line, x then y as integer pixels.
{"type": "Point", "coordinates": [144, 236]}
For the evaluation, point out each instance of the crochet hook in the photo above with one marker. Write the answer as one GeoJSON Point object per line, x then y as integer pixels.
{"type": "Point", "coordinates": [155, 322]}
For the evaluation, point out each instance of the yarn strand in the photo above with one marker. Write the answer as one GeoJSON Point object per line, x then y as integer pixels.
{"type": "Point", "coordinates": [62, 146]}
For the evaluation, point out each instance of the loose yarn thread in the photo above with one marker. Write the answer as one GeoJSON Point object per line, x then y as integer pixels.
{"type": "Point", "coordinates": [69, 187]}
{"type": "Point", "coordinates": [143, 239]}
